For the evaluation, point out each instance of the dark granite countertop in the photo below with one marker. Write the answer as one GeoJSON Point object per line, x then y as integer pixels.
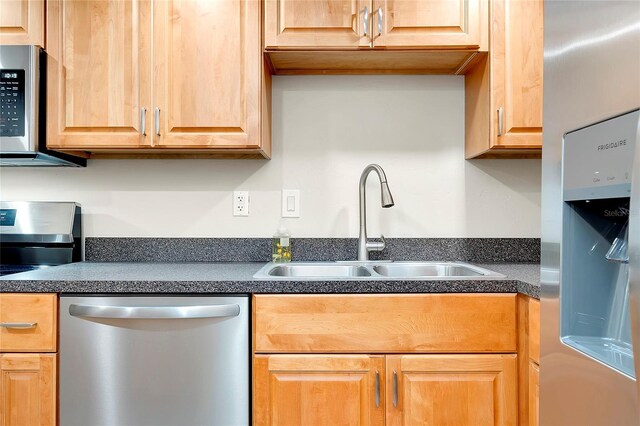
{"type": "Point", "coordinates": [116, 277]}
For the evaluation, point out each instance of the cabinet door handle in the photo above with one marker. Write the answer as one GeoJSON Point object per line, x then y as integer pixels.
{"type": "Point", "coordinates": [377, 389]}
{"type": "Point", "coordinates": [500, 118]}
{"type": "Point", "coordinates": [157, 121]}
{"type": "Point", "coordinates": [18, 325]}
{"type": "Point", "coordinates": [143, 121]}
{"type": "Point", "coordinates": [380, 20]}
{"type": "Point", "coordinates": [395, 388]}
{"type": "Point", "coordinates": [366, 20]}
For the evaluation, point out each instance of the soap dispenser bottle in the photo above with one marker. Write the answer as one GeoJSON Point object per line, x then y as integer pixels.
{"type": "Point", "coordinates": [281, 246]}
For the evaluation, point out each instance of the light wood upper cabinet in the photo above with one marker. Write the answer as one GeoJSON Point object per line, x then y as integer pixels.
{"type": "Point", "coordinates": [315, 24]}
{"type": "Point", "coordinates": [192, 82]}
{"type": "Point", "coordinates": [207, 66]}
{"type": "Point", "coordinates": [22, 22]}
{"type": "Point", "coordinates": [504, 91]}
{"type": "Point", "coordinates": [428, 23]}
{"type": "Point", "coordinates": [318, 390]}
{"type": "Point", "coordinates": [374, 36]}
{"type": "Point", "coordinates": [27, 389]}
{"type": "Point", "coordinates": [98, 74]}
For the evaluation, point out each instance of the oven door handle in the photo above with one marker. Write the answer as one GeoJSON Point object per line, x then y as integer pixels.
{"type": "Point", "coordinates": [154, 312]}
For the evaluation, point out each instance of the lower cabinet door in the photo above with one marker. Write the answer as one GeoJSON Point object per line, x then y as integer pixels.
{"type": "Point", "coordinates": [451, 390]}
{"type": "Point", "coordinates": [318, 390]}
{"type": "Point", "coordinates": [534, 393]}
{"type": "Point", "coordinates": [27, 389]}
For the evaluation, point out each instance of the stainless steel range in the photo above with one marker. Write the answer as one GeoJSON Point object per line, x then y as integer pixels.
{"type": "Point", "coordinates": [36, 235]}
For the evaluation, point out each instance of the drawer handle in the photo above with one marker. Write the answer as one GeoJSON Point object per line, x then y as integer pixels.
{"type": "Point", "coordinates": [18, 325]}
{"type": "Point", "coordinates": [154, 312]}
{"type": "Point", "coordinates": [377, 389]}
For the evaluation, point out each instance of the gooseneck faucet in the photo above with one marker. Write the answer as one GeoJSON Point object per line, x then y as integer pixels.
{"type": "Point", "coordinates": [364, 245]}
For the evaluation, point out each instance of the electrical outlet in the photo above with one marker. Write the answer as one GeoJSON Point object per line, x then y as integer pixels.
{"type": "Point", "coordinates": [241, 203]}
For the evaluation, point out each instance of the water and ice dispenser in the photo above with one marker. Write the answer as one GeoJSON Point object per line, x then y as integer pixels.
{"type": "Point", "coordinates": [594, 290]}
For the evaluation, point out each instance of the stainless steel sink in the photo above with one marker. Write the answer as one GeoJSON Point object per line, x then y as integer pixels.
{"type": "Point", "coordinates": [318, 270]}
{"type": "Point", "coordinates": [311, 271]}
{"type": "Point", "coordinates": [408, 270]}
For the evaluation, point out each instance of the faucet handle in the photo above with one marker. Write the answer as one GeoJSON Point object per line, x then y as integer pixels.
{"type": "Point", "coordinates": [377, 245]}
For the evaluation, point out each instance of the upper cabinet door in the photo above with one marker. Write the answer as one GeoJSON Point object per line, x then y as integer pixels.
{"type": "Point", "coordinates": [207, 74]}
{"type": "Point", "coordinates": [98, 74]}
{"type": "Point", "coordinates": [451, 390]}
{"type": "Point", "coordinates": [517, 54]}
{"type": "Point", "coordinates": [22, 22]}
{"type": "Point", "coordinates": [428, 23]}
{"type": "Point", "coordinates": [317, 23]}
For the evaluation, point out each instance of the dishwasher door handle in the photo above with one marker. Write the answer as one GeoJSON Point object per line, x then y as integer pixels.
{"type": "Point", "coordinates": [154, 312]}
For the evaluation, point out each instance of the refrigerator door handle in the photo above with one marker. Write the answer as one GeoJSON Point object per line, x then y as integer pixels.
{"type": "Point", "coordinates": [154, 312]}
{"type": "Point", "coordinates": [634, 256]}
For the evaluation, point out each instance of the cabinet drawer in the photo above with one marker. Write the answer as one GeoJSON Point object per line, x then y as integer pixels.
{"type": "Point", "coordinates": [385, 323]}
{"type": "Point", "coordinates": [37, 309]}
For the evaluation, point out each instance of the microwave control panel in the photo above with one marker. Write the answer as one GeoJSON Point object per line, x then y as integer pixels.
{"type": "Point", "coordinates": [12, 103]}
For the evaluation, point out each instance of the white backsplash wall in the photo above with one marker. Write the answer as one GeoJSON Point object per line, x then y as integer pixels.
{"type": "Point", "coordinates": [326, 129]}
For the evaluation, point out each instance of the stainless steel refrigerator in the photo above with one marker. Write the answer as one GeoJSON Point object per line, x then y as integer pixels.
{"type": "Point", "coordinates": [590, 323]}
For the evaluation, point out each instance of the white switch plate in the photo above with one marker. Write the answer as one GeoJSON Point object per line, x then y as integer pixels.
{"type": "Point", "coordinates": [241, 203]}
{"type": "Point", "coordinates": [290, 203]}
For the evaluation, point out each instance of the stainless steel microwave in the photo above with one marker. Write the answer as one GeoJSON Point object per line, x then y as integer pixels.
{"type": "Point", "coordinates": [23, 110]}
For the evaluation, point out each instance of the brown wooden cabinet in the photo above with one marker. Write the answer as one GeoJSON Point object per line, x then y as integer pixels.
{"type": "Point", "coordinates": [504, 90]}
{"type": "Point", "coordinates": [98, 74]}
{"type": "Point", "coordinates": [27, 389]}
{"type": "Point", "coordinates": [353, 24]}
{"type": "Point", "coordinates": [306, 349]}
{"type": "Point", "coordinates": [208, 68]}
{"type": "Point", "coordinates": [374, 36]}
{"type": "Point", "coordinates": [318, 390]}
{"type": "Point", "coordinates": [528, 360]}
{"type": "Point", "coordinates": [192, 82]}
{"type": "Point", "coordinates": [428, 23]}
{"type": "Point", "coordinates": [315, 24]}
{"type": "Point", "coordinates": [22, 22]}
{"type": "Point", "coordinates": [28, 380]}
{"type": "Point", "coordinates": [451, 390]}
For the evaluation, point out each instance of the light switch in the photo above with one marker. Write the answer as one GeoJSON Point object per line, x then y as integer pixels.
{"type": "Point", "coordinates": [290, 203]}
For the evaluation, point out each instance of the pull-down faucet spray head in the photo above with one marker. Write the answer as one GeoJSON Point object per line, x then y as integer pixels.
{"type": "Point", "coordinates": [386, 198]}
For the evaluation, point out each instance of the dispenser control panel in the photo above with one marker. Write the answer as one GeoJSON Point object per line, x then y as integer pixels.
{"type": "Point", "coordinates": [600, 157]}
{"type": "Point", "coordinates": [12, 105]}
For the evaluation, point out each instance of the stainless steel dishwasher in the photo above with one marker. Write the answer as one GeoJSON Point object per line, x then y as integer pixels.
{"type": "Point", "coordinates": [131, 361]}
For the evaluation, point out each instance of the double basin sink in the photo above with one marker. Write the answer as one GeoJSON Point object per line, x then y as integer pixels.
{"type": "Point", "coordinates": [374, 270]}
